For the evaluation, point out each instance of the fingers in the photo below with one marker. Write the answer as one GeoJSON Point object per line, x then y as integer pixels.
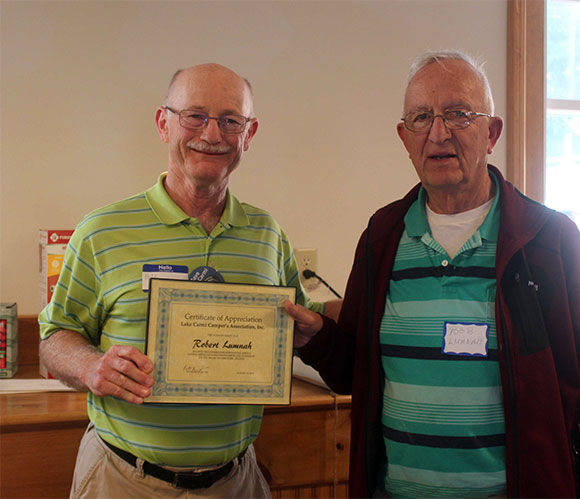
{"type": "Point", "coordinates": [138, 363]}
{"type": "Point", "coordinates": [308, 323]}
{"type": "Point", "coordinates": [122, 372]}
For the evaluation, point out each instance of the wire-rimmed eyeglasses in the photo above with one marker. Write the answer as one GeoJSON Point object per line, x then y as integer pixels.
{"type": "Point", "coordinates": [196, 120]}
{"type": "Point", "coordinates": [454, 119]}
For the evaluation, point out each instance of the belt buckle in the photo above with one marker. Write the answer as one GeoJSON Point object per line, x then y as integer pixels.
{"type": "Point", "coordinates": [190, 480]}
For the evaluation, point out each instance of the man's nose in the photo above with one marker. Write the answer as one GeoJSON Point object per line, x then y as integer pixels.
{"type": "Point", "coordinates": [439, 131]}
{"type": "Point", "coordinates": [211, 132]}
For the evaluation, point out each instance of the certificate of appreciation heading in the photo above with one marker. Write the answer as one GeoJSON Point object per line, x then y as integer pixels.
{"type": "Point", "coordinates": [219, 343]}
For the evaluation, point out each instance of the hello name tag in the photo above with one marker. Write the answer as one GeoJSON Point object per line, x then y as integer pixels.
{"type": "Point", "coordinates": [162, 272]}
{"type": "Point", "coordinates": [465, 339]}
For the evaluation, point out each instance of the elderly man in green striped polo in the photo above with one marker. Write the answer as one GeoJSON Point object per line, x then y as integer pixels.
{"type": "Point", "coordinates": [459, 336]}
{"type": "Point", "coordinates": [93, 331]}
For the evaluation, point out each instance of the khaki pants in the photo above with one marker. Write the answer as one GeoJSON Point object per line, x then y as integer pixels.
{"type": "Point", "coordinates": [101, 474]}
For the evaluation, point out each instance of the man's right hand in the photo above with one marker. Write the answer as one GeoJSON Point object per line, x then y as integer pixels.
{"type": "Point", "coordinates": [122, 372]}
{"type": "Point", "coordinates": [308, 323]}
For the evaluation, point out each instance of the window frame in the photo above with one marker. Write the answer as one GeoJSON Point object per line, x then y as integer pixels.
{"type": "Point", "coordinates": [526, 105]}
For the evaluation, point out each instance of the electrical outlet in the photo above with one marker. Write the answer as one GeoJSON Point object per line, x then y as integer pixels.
{"type": "Point", "coordinates": [307, 258]}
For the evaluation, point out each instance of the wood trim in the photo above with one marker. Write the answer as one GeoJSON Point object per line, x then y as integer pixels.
{"type": "Point", "coordinates": [526, 69]}
{"type": "Point", "coordinates": [28, 340]}
{"type": "Point", "coordinates": [41, 432]}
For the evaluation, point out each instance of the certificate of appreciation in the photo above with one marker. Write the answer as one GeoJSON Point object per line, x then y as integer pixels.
{"type": "Point", "coordinates": [219, 343]}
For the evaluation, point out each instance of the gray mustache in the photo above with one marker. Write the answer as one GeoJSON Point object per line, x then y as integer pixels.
{"type": "Point", "coordinates": [201, 146]}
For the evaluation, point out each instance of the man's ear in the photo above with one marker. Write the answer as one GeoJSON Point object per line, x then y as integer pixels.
{"type": "Point", "coordinates": [403, 134]}
{"type": "Point", "coordinates": [161, 122]}
{"type": "Point", "coordinates": [252, 129]}
{"type": "Point", "coordinates": [495, 128]}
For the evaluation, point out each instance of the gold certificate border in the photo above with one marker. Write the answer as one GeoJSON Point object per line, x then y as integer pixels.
{"type": "Point", "coordinates": [165, 293]}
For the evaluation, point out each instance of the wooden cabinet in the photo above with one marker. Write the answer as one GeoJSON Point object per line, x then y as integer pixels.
{"type": "Point", "coordinates": [302, 449]}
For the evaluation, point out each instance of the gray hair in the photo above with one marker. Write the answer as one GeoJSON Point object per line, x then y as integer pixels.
{"type": "Point", "coordinates": [427, 58]}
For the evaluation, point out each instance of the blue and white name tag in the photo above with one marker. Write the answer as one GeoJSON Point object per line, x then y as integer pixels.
{"type": "Point", "coordinates": [163, 272]}
{"type": "Point", "coordinates": [205, 274]}
{"type": "Point", "coordinates": [465, 339]}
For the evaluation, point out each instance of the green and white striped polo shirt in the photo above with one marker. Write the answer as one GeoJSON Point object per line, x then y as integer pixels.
{"type": "Point", "coordinates": [100, 295]}
{"type": "Point", "coordinates": [443, 422]}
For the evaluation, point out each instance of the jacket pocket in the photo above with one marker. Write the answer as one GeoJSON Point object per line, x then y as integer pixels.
{"type": "Point", "coordinates": [522, 295]}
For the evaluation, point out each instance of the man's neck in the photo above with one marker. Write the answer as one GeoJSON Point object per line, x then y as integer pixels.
{"type": "Point", "coordinates": [448, 202]}
{"type": "Point", "coordinates": [206, 203]}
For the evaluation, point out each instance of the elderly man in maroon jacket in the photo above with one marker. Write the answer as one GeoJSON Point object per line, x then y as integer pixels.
{"type": "Point", "coordinates": [459, 336]}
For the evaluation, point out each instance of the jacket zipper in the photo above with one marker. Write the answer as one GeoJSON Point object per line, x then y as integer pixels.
{"type": "Point", "coordinates": [370, 295]}
{"type": "Point", "coordinates": [513, 396]}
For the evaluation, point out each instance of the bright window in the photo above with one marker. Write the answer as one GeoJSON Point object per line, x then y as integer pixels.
{"type": "Point", "coordinates": [562, 186]}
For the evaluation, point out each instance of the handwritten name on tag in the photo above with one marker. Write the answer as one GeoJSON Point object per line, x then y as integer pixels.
{"type": "Point", "coordinates": [465, 339]}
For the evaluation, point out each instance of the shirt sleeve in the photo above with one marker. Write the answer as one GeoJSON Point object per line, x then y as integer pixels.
{"type": "Point", "coordinates": [76, 304]}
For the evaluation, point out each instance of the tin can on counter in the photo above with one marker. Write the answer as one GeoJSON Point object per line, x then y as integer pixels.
{"type": "Point", "coordinates": [8, 340]}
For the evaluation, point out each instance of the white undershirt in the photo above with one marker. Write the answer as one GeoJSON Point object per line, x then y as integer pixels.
{"type": "Point", "coordinates": [451, 231]}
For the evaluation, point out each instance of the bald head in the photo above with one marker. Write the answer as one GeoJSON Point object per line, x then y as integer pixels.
{"type": "Point", "coordinates": [209, 74]}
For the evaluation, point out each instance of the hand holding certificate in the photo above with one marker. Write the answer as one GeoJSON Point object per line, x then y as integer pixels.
{"type": "Point", "coordinates": [219, 343]}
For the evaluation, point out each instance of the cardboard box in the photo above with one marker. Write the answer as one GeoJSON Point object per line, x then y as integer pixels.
{"type": "Point", "coordinates": [8, 340]}
{"type": "Point", "coordinates": [52, 245]}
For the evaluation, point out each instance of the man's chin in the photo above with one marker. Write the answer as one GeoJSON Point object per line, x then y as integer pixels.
{"type": "Point", "coordinates": [210, 171]}
{"type": "Point", "coordinates": [443, 178]}
{"type": "Point", "coordinates": [208, 162]}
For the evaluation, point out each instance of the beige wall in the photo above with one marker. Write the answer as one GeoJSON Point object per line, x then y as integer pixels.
{"type": "Point", "coordinates": [80, 82]}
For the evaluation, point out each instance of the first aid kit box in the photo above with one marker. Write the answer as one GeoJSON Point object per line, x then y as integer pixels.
{"type": "Point", "coordinates": [52, 245]}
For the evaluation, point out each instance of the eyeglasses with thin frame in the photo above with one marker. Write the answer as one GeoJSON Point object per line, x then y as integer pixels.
{"type": "Point", "coordinates": [454, 119]}
{"type": "Point", "coordinates": [196, 120]}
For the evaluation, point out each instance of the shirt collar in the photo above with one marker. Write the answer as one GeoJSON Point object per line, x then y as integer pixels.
{"type": "Point", "coordinates": [234, 213]}
{"type": "Point", "coordinates": [489, 227]}
{"type": "Point", "coordinates": [169, 213]}
{"type": "Point", "coordinates": [416, 218]}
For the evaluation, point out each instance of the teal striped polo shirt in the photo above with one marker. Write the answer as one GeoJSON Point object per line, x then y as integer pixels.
{"type": "Point", "coordinates": [442, 417]}
{"type": "Point", "coordinates": [100, 295]}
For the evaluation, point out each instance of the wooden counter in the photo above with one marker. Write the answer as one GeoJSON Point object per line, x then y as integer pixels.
{"type": "Point", "coordinates": [302, 448]}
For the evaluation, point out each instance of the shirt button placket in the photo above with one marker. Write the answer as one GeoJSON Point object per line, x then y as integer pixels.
{"type": "Point", "coordinates": [206, 249]}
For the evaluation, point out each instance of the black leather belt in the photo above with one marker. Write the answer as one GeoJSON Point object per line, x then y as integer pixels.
{"type": "Point", "coordinates": [186, 479]}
